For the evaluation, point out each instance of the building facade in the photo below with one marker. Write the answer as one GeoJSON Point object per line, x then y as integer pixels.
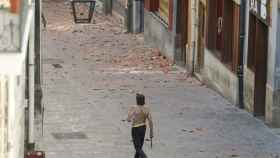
{"type": "Point", "coordinates": [231, 45]}
{"type": "Point", "coordinates": [17, 76]}
{"type": "Point", "coordinates": [166, 27]}
{"type": "Point", "coordinates": [240, 63]}
{"type": "Point", "coordinates": [262, 60]}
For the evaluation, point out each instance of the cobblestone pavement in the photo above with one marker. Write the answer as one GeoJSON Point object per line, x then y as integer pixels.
{"type": "Point", "coordinates": [91, 75]}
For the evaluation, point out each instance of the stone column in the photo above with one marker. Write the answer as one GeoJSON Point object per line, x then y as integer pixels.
{"type": "Point", "coordinates": [273, 69]}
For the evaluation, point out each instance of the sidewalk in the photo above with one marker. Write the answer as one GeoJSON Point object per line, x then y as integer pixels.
{"type": "Point", "coordinates": [91, 75]}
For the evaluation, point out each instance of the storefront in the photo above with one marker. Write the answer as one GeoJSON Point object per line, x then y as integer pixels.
{"type": "Point", "coordinates": [257, 56]}
{"type": "Point", "coordinates": [222, 48]}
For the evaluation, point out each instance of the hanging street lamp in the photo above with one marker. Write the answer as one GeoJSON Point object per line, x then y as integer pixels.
{"type": "Point", "coordinates": [83, 10]}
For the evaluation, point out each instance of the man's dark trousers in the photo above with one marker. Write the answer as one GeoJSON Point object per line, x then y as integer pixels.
{"type": "Point", "coordinates": [138, 135]}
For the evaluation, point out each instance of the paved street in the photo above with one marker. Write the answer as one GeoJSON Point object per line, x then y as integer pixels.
{"type": "Point", "coordinates": [91, 75]}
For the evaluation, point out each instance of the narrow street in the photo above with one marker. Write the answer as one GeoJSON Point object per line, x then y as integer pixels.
{"type": "Point", "coordinates": [91, 75]}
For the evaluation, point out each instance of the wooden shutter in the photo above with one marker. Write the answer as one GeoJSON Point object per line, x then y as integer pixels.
{"type": "Point", "coordinates": [251, 44]}
{"type": "Point", "coordinates": [184, 7]}
{"type": "Point", "coordinates": [152, 5]}
{"type": "Point", "coordinates": [211, 24]}
{"type": "Point", "coordinates": [170, 14]}
{"type": "Point", "coordinates": [236, 38]}
{"type": "Point", "coordinates": [227, 32]}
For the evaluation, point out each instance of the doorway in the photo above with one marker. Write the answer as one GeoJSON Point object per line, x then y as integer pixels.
{"type": "Point", "coordinates": [257, 62]}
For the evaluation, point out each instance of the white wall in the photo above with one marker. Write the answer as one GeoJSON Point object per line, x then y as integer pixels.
{"type": "Point", "coordinates": [13, 47]}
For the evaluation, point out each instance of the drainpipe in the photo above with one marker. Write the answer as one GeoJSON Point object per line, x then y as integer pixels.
{"type": "Point", "coordinates": [193, 35]}
{"type": "Point", "coordinates": [38, 79]}
{"type": "Point", "coordinates": [240, 71]}
{"type": "Point", "coordinates": [31, 76]}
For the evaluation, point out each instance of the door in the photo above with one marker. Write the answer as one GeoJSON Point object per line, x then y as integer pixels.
{"type": "Point", "coordinates": [184, 23]}
{"type": "Point", "coordinates": [201, 37]}
{"type": "Point", "coordinates": [260, 68]}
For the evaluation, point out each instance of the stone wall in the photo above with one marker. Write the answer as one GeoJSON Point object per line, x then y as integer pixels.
{"type": "Point", "coordinates": [157, 35]}
{"type": "Point", "coordinates": [220, 77]}
{"type": "Point", "coordinates": [249, 86]}
{"type": "Point", "coordinates": [119, 7]}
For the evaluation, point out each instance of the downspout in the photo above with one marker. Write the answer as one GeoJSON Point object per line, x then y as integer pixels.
{"type": "Point", "coordinates": [240, 71]}
{"type": "Point", "coordinates": [38, 78]}
{"type": "Point", "coordinates": [31, 76]}
{"type": "Point", "coordinates": [193, 35]}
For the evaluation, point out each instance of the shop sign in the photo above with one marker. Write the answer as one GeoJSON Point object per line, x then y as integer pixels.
{"type": "Point", "coordinates": [261, 8]}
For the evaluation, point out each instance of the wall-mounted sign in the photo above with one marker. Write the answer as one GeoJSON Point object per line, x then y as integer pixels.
{"type": "Point", "coordinates": [261, 8]}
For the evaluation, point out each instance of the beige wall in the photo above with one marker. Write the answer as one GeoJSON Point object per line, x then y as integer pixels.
{"type": "Point", "coordinates": [218, 76]}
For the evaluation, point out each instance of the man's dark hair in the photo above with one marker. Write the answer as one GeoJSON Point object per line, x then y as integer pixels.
{"type": "Point", "coordinates": [140, 99]}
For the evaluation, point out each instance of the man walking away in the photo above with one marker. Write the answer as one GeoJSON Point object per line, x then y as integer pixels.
{"type": "Point", "coordinates": [138, 115]}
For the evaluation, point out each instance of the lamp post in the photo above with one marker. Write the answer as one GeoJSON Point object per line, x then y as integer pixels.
{"type": "Point", "coordinates": [83, 10]}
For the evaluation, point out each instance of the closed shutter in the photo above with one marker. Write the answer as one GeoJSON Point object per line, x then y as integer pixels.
{"type": "Point", "coordinates": [211, 24]}
{"type": "Point", "coordinates": [236, 38]}
{"type": "Point", "coordinates": [227, 32]}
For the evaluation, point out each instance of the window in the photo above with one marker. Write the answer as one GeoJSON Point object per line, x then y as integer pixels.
{"type": "Point", "coordinates": [223, 31]}
{"type": "Point", "coordinates": [261, 8]}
